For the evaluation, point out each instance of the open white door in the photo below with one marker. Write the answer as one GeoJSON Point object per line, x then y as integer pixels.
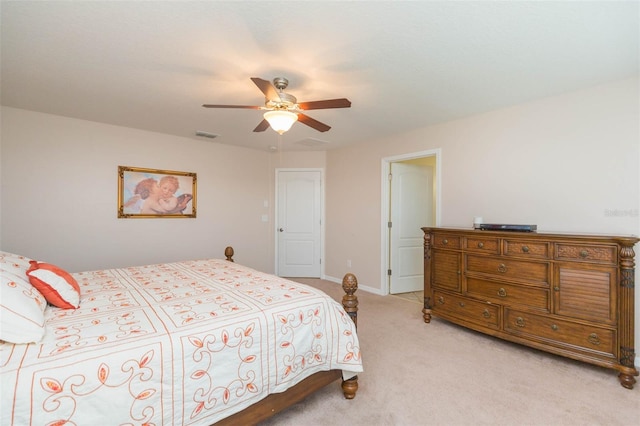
{"type": "Point", "coordinates": [411, 209]}
{"type": "Point", "coordinates": [298, 227]}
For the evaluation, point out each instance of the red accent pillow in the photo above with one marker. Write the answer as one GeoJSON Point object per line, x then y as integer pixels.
{"type": "Point", "coordinates": [56, 285]}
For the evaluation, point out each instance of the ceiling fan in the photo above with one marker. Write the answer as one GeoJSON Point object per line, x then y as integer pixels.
{"type": "Point", "coordinates": [284, 109]}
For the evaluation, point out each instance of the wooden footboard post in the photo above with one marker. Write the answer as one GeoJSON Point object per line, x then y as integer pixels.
{"type": "Point", "coordinates": [350, 300]}
{"type": "Point", "coordinates": [350, 304]}
{"type": "Point", "coordinates": [228, 252]}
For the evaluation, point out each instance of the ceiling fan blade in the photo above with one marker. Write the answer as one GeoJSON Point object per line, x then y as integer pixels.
{"type": "Point", "coordinates": [305, 119]}
{"type": "Point", "coordinates": [270, 92]}
{"type": "Point", "coordinates": [329, 103]}
{"type": "Point", "coordinates": [231, 106]}
{"type": "Point", "coordinates": [264, 125]}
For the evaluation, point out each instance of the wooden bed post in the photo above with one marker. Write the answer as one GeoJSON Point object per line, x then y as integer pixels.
{"type": "Point", "coordinates": [350, 304]}
{"type": "Point", "coordinates": [350, 300]}
{"type": "Point", "coordinates": [228, 252]}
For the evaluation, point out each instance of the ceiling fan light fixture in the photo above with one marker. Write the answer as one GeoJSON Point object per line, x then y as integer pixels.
{"type": "Point", "coordinates": [280, 120]}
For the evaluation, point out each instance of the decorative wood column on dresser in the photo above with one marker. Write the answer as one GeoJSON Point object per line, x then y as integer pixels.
{"type": "Point", "coordinates": [571, 295]}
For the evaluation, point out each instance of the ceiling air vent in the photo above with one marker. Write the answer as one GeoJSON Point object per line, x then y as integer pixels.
{"type": "Point", "coordinates": [206, 134]}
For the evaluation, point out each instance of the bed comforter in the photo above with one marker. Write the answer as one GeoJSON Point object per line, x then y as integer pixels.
{"type": "Point", "coordinates": [178, 343]}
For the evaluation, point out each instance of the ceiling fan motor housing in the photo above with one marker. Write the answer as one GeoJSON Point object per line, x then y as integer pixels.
{"type": "Point", "coordinates": [280, 83]}
{"type": "Point", "coordinates": [287, 101]}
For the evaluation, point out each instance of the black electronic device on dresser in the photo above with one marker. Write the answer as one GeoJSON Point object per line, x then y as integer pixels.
{"type": "Point", "coordinates": [571, 295]}
{"type": "Point", "coordinates": [503, 227]}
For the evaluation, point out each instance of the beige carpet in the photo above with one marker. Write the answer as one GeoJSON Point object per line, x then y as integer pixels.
{"type": "Point", "coordinates": [441, 374]}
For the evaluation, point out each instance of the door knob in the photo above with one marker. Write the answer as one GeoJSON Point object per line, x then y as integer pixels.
{"type": "Point", "coordinates": [281, 230]}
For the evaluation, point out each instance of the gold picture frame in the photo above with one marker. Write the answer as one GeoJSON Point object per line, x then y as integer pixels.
{"type": "Point", "coordinates": [152, 193]}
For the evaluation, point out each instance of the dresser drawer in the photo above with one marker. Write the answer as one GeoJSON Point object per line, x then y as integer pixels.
{"type": "Point", "coordinates": [561, 333]}
{"type": "Point", "coordinates": [481, 244]}
{"type": "Point", "coordinates": [530, 249]}
{"type": "Point", "coordinates": [590, 253]}
{"type": "Point", "coordinates": [509, 294]}
{"type": "Point", "coordinates": [508, 268]}
{"type": "Point", "coordinates": [467, 310]}
{"type": "Point", "coordinates": [446, 241]}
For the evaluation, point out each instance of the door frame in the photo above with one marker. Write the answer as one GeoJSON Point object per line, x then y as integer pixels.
{"type": "Point", "coordinates": [386, 199]}
{"type": "Point", "coordinates": [275, 214]}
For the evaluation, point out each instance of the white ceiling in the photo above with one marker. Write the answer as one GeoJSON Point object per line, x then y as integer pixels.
{"type": "Point", "coordinates": [403, 65]}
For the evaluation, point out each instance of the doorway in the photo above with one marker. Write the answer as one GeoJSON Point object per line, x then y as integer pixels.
{"type": "Point", "coordinates": [410, 201]}
{"type": "Point", "coordinates": [299, 212]}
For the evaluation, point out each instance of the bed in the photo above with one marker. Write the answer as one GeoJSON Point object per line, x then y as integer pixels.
{"type": "Point", "coordinates": [193, 343]}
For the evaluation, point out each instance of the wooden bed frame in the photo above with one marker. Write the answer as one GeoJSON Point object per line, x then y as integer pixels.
{"type": "Point", "coordinates": [277, 402]}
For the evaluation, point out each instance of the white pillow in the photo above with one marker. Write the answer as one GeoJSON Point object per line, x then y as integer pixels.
{"type": "Point", "coordinates": [21, 309]}
{"type": "Point", "coordinates": [14, 263]}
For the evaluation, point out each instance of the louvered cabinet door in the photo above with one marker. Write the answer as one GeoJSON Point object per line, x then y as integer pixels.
{"type": "Point", "coordinates": [585, 291]}
{"type": "Point", "coordinates": [586, 276]}
{"type": "Point", "coordinates": [446, 270]}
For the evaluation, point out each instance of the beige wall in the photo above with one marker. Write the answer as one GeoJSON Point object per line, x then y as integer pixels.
{"type": "Point", "coordinates": [59, 187]}
{"type": "Point", "coordinates": [59, 195]}
{"type": "Point", "coordinates": [561, 163]}
{"type": "Point", "coordinates": [567, 163]}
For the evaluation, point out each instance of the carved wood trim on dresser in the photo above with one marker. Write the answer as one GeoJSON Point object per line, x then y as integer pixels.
{"type": "Point", "coordinates": [571, 295]}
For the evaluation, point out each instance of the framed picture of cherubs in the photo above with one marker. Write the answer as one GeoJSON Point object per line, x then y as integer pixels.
{"type": "Point", "coordinates": [151, 193]}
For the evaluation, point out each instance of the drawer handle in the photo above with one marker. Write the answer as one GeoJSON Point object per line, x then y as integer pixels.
{"type": "Point", "coordinates": [520, 322]}
{"type": "Point", "coordinates": [502, 292]}
{"type": "Point", "coordinates": [480, 245]}
{"type": "Point", "coordinates": [445, 241]}
{"type": "Point", "coordinates": [441, 300]}
{"type": "Point", "coordinates": [584, 254]}
{"type": "Point", "coordinates": [461, 304]}
{"type": "Point", "coordinates": [502, 268]}
{"type": "Point", "coordinates": [554, 327]}
{"type": "Point", "coordinates": [525, 249]}
{"type": "Point", "coordinates": [594, 339]}
{"type": "Point", "coordinates": [486, 314]}
{"type": "Point", "coordinates": [556, 288]}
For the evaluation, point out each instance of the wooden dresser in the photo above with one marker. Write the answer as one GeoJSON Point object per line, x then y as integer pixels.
{"type": "Point", "coordinates": [571, 295]}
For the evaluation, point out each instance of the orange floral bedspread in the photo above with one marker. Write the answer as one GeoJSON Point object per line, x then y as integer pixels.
{"type": "Point", "coordinates": [178, 343]}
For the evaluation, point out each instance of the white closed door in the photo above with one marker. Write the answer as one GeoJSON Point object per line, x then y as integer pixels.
{"type": "Point", "coordinates": [298, 227]}
{"type": "Point", "coordinates": [411, 209]}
